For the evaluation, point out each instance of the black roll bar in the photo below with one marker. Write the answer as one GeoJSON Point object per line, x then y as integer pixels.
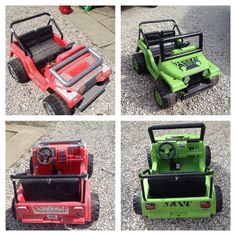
{"type": "Point", "coordinates": [48, 178]}
{"type": "Point", "coordinates": [147, 175]}
{"type": "Point", "coordinates": [69, 141]}
{"type": "Point", "coordinates": [174, 38]}
{"type": "Point", "coordinates": [177, 126]}
{"type": "Point", "coordinates": [155, 22]}
{"type": "Point", "coordinates": [15, 22]}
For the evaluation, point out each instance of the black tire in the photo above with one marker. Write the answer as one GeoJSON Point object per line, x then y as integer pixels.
{"type": "Point", "coordinates": [163, 95]}
{"type": "Point", "coordinates": [208, 156]}
{"type": "Point", "coordinates": [13, 208]}
{"type": "Point", "coordinates": [137, 202]}
{"type": "Point", "coordinates": [31, 166]}
{"type": "Point", "coordinates": [90, 165]}
{"type": "Point", "coordinates": [149, 158]}
{"type": "Point", "coordinates": [95, 207]}
{"type": "Point", "coordinates": [139, 63]}
{"type": "Point", "coordinates": [219, 199]}
{"type": "Point", "coordinates": [54, 105]}
{"type": "Point", "coordinates": [17, 71]}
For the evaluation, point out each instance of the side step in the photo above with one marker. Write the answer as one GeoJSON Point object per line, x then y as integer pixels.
{"type": "Point", "coordinates": [91, 95]}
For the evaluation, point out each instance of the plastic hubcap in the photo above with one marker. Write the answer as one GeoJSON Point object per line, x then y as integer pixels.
{"type": "Point", "coordinates": [49, 109]}
{"type": "Point", "coordinates": [135, 64]}
{"type": "Point", "coordinates": [12, 72]}
{"type": "Point", "coordinates": [158, 98]}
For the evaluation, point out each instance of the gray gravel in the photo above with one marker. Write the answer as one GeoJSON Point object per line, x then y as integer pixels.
{"type": "Point", "coordinates": [26, 99]}
{"type": "Point", "coordinates": [135, 139]}
{"type": "Point", "coordinates": [137, 90]}
{"type": "Point", "coordinates": [103, 175]}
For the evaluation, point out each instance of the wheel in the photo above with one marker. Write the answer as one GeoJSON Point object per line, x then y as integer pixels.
{"type": "Point", "coordinates": [163, 95]}
{"type": "Point", "coordinates": [17, 70]}
{"type": "Point", "coordinates": [90, 165]}
{"type": "Point", "coordinates": [95, 207]}
{"type": "Point", "coordinates": [31, 166]}
{"type": "Point", "coordinates": [137, 202]}
{"type": "Point", "coordinates": [54, 105]}
{"type": "Point", "coordinates": [219, 199]}
{"type": "Point", "coordinates": [208, 156]}
{"type": "Point", "coordinates": [13, 208]}
{"type": "Point", "coordinates": [139, 63]}
{"type": "Point", "coordinates": [149, 159]}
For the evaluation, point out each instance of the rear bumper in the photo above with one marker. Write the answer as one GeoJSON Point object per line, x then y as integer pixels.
{"type": "Point", "coordinates": [189, 207]}
{"type": "Point", "coordinates": [175, 215]}
{"type": "Point", "coordinates": [59, 220]}
{"type": "Point", "coordinates": [199, 88]}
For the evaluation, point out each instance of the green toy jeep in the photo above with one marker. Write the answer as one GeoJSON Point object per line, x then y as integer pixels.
{"type": "Point", "coordinates": [179, 181]}
{"type": "Point", "coordinates": [180, 69]}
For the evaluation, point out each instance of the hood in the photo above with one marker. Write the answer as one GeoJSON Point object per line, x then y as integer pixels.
{"type": "Point", "coordinates": [185, 66]}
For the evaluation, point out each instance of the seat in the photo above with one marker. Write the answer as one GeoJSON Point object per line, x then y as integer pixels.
{"type": "Point", "coordinates": [153, 39]}
{"type": "Point", "coordinates": [53, 190]}
{"type": "Point", "coordinates": [47, 43]}
{"type": "Point", "coordinates": [40, 45]}
{"type": "Point", "coordinates": [183, 186]}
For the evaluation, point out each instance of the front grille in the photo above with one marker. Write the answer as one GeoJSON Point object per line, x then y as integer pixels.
{"type": "Point", "coordinates": [197, 79]}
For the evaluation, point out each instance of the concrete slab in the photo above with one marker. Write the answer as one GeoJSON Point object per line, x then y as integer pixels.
{"type": "Point", "coordinates": [96, 32]}
{"type": "Point", "coordinates": [19, 139]}
{"type": "Point", "coordinates": [98, 25]}
{"type": "Point", "coordinates": [110, 50]}
{"type": "Point", "coordinates": [103, 11]}
{"type": "Point", "coordinates": [109, 24]}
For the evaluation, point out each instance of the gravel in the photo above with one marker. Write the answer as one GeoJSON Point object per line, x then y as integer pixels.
{"type": "Point", "coordinates": [103, 175]}
{"type": "Point", "coordinates": [135, 139]}
{"type": "Point", "coordinates": [27, 99]}
{"type": "Point", "coordinates": [137, 90]}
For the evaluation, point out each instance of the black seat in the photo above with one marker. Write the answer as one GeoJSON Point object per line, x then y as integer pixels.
{"type": "Point", "coordinates": [47, 43]}
{"type": "Point", "coordinates": [40, 45]}
{"type": "Point", "coordinates": [183, 186]}
{"type": "Point", "coordinates": [53, 190]}
{"type": "Point", "coordinates": [153, 39]}
{"type": "Point", "coordinates": [167, 33]}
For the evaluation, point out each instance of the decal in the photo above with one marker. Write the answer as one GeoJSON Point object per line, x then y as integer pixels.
{"type": "Point", "coordinates": [188, 64]}
{"type": "Point", "coordinates": [178, 204]}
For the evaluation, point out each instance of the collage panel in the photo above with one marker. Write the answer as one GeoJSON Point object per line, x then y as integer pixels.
{"type": "Point", "coordinates": [175, 175]}
{"type": "Point", "coordinates": [57, 174]}
{"type": "Point", "coordinates": [68, 55]}
{"type": "Point", "coordinates": [170, 56]}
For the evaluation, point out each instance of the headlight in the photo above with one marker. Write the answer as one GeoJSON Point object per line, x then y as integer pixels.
{"type": "Point", "coordinates": [205, 73]}
{"type": "Point", "coordinates": [186, 79]}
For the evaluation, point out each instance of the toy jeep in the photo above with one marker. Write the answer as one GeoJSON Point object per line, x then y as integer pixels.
{"type": "Point", "coordinates": [73, 75]}
{"type": "Point", "coordinates": [180, 69]}
{"type": "Point", "coordinates": [179, 182]}
{"type": "Point", "coordinates": [56, 189]}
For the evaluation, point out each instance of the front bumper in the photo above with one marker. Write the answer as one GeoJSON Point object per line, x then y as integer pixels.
{"type": "Point", "coordinates": [189, 92]}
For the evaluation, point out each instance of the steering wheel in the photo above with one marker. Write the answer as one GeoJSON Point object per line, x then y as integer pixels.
{"type": "Point", "coordinates": [67, 47]}
{"type": "Point", "coordinates": [182, 45]}
{"type": "Point", "coordinates": [166, 151]}
{"type": "Point", "coordinates": [45, 156]}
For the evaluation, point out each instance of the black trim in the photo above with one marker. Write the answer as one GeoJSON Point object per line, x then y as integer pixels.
{"type": "Point", "coordinates": [211, 187]}
{"type": "Point", "coordinates": [84, 190]}
{"type": "Point", "coordinates": [177, 126]}
{"type": "Point", "coordinates": [15, 191]}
